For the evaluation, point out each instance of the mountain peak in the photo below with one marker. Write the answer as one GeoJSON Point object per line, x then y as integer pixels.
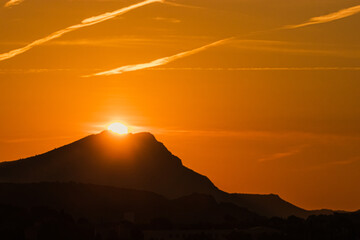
{"type": "Point", "coordinates": [108, 146]}
{"type": "Point", "coordinates": [133, 161]}
{"type": "Point", "coordinates": [140, 135]}
{"type": "Point", "coordinates": [112, 137]}
{"type": "Point", "coordinates": [124, 140]}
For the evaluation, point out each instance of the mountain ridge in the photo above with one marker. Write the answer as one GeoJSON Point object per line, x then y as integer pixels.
{"type": "Point", "coordinates": [135, 161]}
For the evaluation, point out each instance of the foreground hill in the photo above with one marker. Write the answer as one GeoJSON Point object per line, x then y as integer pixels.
{"type": "Point", "coordinates": [75, 211]}
{"type": "Point", "coordinates": [110, 204]}
{"type": "Point", "coordinates": [133, 161]}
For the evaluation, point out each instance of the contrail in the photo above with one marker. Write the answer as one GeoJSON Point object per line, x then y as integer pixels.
{"type": "Point", "coordinates": [85, 23]}
{"type": "Point", "coordinates": [158, 62]}
{"type": "Point", "coordinates": [13, 3]}
{"type": "Point", "coordinates": [347, 12]}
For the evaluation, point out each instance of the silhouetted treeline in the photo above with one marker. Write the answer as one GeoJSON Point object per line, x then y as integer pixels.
{"type": "Point", "coordinates": [339, 226]}
{"type": "Point", "coordinates": [111, 204]}
{"type": "Point", "coordinates": [43, 223]}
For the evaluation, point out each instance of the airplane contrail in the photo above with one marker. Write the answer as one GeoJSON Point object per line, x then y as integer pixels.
{"type": "Point", "coordinates": [85, 23]}
{"type": "Point", "coordinates": [13, 3]}
{"type": "Point", "coordinates": [347, 12]}
{"type": "Point", "coordinates": [158, 62]}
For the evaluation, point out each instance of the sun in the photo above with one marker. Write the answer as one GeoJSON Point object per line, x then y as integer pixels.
{"type": "Point", "coordinates": [118, 128]}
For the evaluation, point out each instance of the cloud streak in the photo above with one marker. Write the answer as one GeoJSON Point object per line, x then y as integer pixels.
{"type": "Point", "coordinates": [315, 20]}
{"type": "Point", "coordinates": [261, 69]}
{"type": "Point", "coordinates": [85, 23]}
{"type": "Point", "coordinates": [13, 3]}
{"type": "Point", "coordinates": [347, 12]}
{"type": "Point", "coordinates": [158, 62]}
{"type": "Point", "coordinates": [339, 163]}
{"type": "Point", "coordinates": [281, 155]}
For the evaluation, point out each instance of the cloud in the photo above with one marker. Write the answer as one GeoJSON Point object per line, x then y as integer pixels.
{"type": "Point", "coordinates": [170, 20]}
{"type": "Point", "coordinates": [281, 155]}
{"type": "Point", "coordinates": [33, 70]}
{"type": "Point", "coordinates": [300, 48]}
{"type": "Point", "coordinates": [85, 23]}
{"type": "Point", "coordinates": [347, 12]}
{"type": "Point", "coordinates": [345, 162]}
{"type": "Point", "coordinates": [158, 62]}
{"type": "Point", "coordinates": [181, 5]}
{"type": "Point", "coordinates": [45, 70]}
{"type": "Point", "coordinates": [22, 140]}
{"type": "Point", "coordinates": [260, 69]}
{"type": "Point", "coordinates": [111, 42]}
{"type": "Point", "coordinates": [13, 3]}
{"type": "Point", "coordinates": [336, 164]}
{"type": "Point", "coordinates": [257, 135]}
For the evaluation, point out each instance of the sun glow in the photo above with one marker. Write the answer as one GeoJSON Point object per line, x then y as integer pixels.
{"type": "Point", "coordinates": [118, 128]}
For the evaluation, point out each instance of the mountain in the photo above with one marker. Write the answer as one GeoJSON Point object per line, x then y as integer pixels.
{"type": "Point", "coordinates": [133, 161]}
{"type": "Point", "coordinates": [136, 161]}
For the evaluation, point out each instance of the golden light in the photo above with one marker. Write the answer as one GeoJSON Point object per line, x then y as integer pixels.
{"type": "Point", "coordinates": [118, 128]}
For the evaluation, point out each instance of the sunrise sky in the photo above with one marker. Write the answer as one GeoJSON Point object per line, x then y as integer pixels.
{"type": "Point", "coordinates": [260, 96]}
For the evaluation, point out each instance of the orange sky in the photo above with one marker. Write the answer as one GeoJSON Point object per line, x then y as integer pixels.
{"type": "Point", "coordinates": [271, 112]}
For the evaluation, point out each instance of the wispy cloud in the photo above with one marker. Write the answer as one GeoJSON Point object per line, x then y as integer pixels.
{"type": "Point", "coordinates": [13, 3]}
{"type": "Point", "coordinates": [170, 20]}
{"type": "Point", "coordinates": [22, 140]}
{"type": "Point", "coordinates": [299, 48]}
{"type": "Point", "coordinates": [182, 5]}
{"type": "Point", "coordinates": [336, 164]}
{"type": "Point", "coordinates": [347, 12]}
{"type": "Point", "coordinates": [34, 70]}
{"type": "Point", "coordinates": [45, 70]}
{"type": "Point", "coordinates": [281, 155]}
{"type": "Point", "coordinates": [158, 62]}
{"type": "Point", "coordinates": [260, 69]}
{"type": "Point", "coordinates": [345, 162]}
{"type": "Point", "coordinates": [85, 23]}
{"type": "Point", "coordinates": [111, 42]}
{"type": "Point", "coordinates": [306, 137]}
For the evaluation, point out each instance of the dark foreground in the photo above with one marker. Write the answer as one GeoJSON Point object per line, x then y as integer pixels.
{"type": "Point", "coordinates": [43, 223]}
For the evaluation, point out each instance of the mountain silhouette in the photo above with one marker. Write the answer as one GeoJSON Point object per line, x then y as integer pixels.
{"type": "Point", "coordinates": [133, 161]}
